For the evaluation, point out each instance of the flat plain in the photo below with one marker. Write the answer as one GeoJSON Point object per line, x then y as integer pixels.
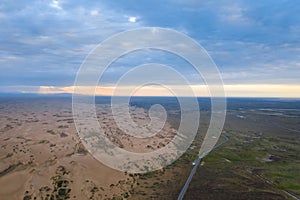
{"type": "Point", "coordinates": [42, 157]}
{"type": "Point", "coordinates": [260, 161]}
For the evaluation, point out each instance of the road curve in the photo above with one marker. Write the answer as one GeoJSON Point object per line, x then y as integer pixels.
{"type": "Point", "coordinates": [197, 162]}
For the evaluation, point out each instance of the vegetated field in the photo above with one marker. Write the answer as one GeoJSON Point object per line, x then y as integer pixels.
{"type": "Point", "coordinates": [261, 160]}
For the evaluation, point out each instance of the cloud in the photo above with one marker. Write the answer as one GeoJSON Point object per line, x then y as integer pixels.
{"type": "Point", "coordinates": [252, 42]}
{"type": "Point", "coordinates": [233, 13]}
{"type": "Point", "coordinates": [263, 90]}
{"type": "Point", "coordinates": [19, 89]}
{"type": "Point", "coordinates": [55, 4]}
{"type": "Point", "coordinates": [50, 40]}
{"type": "Point", "coordinates": [132, 19]}
{"type": "Point", "coordinates": [94, 12]}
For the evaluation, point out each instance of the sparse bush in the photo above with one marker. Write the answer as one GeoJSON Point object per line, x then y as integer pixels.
{"type": "Point", "coordinates": [62, 134]}
{"type": "Point", "coordinates": [51, 132]}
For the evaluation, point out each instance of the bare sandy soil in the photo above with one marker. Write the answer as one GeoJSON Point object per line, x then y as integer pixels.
{"type": "Point", "coordinates": [42, 157]}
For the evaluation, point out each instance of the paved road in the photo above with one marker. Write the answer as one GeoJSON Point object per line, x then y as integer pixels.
{"type": "Point", "coordinates": [291, 195]}
{"type": "Point", "coordinates": [197, 162]}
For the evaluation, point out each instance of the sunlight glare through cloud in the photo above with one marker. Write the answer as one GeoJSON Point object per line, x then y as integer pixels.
{"type": "Point", "coordinates": [132, 19]}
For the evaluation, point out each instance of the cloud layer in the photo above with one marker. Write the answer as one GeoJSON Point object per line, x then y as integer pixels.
{"type": "Point", "coordinates": [252, 42]}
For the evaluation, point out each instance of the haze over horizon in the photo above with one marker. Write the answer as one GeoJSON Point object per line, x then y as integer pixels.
{"type": "Point", "coordinates": [254, 44]}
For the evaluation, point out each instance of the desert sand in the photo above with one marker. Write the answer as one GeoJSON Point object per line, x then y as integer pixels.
{"type": "Point", "coordinates": [42, 157]}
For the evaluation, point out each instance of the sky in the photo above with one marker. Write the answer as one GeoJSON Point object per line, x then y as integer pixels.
{"type": "Point", "coordinates": [255, 44]}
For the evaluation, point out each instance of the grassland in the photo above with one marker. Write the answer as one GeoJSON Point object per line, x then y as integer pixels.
{"type": "Point", "coordinates": [260, 161]}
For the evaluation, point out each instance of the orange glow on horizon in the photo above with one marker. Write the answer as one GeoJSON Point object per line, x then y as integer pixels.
{"type": "Point", "coordinates": [241, 90]}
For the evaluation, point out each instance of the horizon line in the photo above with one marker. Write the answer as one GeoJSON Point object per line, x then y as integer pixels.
{"type": "Point", "coordinates": [6, 94]}
{"type": "Point", "coordinates": [237, 90]}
